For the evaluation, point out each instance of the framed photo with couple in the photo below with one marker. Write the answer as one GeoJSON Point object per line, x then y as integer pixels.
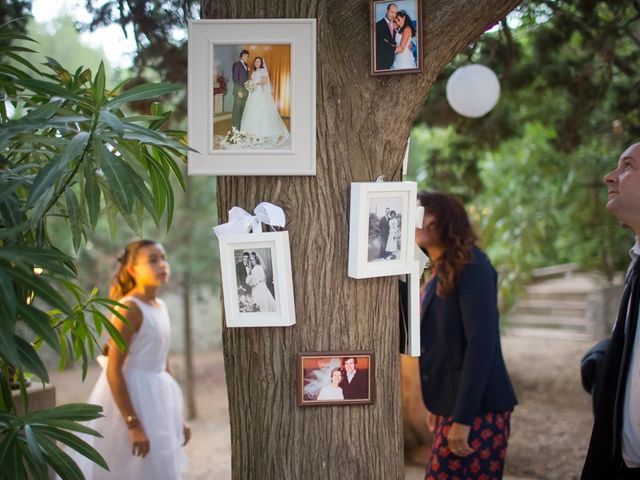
{"type": "Point", "coordinates": [335, 378]}
{"type": "Point", "coordinates": [396, 37]}
{"type": "Point", "coordinates": [256, 280]}
{"type": "Point", "coordinates": [382, 229]}
{"type": "Point", "coordinates": [251, 91]}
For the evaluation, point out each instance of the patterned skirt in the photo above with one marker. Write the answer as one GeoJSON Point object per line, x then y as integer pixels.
{"type": "Point", "coordinates": [488, 437]}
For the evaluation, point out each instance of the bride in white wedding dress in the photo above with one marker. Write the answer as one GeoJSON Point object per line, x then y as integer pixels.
{"type": "Point", "coordinates": [404, 35]}
{"type": "Point", "coordinates": [261, 117]}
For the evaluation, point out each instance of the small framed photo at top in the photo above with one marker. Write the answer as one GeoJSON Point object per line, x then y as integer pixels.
{"type": "Point", "coordinates": [335, 378]}
{"type": "Point", "coordinates": [396, 37]}
{"type": "Point", "coordinates": [256, 280]}
{"type": "Point", "coordinates": [382, 229]}
{"type": "Point", "coordinates": [252, 97]}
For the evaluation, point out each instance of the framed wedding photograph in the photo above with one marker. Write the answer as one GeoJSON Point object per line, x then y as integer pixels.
{"type": "Point", "coordinates": [256, 280]}
{"type": "Point", "coordinates": [396, 37]}
{"type": "Point", "coordinates": [335, 378]}
{"type": "Point", "coordinates": [382, 229]}
{"type": "Point", "coordinates": [252, 97]}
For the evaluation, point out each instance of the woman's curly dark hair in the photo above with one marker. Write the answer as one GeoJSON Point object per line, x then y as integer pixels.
{"type": "Point", "coordinates": [456, 236]}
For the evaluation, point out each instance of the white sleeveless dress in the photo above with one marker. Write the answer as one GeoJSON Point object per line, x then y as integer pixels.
{"type": "Point", "coordinates": [259, 290]}
{"type": "Point", "coordinates": [405, 59]}
{"type": "Point", "coordinates": [157, 400]}
{"type": "Point", "coordinates": [261, 117]}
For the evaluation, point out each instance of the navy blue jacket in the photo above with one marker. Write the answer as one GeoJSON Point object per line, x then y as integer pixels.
{"type": "Point", "coordinates": [462, 370]}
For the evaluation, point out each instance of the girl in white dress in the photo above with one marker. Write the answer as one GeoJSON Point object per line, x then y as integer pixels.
{"type": "Point", "coordinates": [332, 391]}
{"type": "Point", "coordinates": [259, 290]}
{"type": "Point", "coordinates": [143, 428]}
{"type": "Point", "coordinates": [404, 35]}
{"type": "Point", "coordinates": [261, 117]}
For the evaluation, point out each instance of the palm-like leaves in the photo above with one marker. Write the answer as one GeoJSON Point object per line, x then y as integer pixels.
{"type": "Point", "coordinates": [67, 149]}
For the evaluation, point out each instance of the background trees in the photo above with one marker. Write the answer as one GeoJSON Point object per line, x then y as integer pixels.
{"type": "Point", "coordinates": [531, 171]}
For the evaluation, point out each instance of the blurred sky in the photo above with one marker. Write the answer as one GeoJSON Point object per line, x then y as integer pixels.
{"type": "Point", "coordinates": [117, 48]}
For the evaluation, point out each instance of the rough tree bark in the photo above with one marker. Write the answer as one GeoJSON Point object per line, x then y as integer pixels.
{"type": "Point", "coordinates": [362, 126]}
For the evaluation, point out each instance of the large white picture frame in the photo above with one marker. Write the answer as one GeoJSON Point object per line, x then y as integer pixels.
{"type": "Point", "coordinates": [283, 145]}
{"type": "Point", "coordinates": [257, 283]}
{"type": "Point", "coordinates": [382, 229]}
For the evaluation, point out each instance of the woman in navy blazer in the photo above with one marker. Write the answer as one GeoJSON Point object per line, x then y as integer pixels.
{"type": "Point", "coordinates": [465, 384]}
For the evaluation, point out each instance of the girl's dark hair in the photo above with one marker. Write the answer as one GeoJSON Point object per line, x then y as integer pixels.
{"type": "Point", "coordinates": [261, 63]}
{"type": "Point", "coordinates": [123, 282]}
{"type": "Point", "coordinates": [455, 234]}
{"type": "Point", "coordinates": [255, 255]}
{"type": "Point", "coordinates": [407, 22]}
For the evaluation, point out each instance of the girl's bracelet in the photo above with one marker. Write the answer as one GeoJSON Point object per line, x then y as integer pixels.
{"type": "Point", "coordinates": [132, 421]}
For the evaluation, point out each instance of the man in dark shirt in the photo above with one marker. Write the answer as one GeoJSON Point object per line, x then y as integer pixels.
{"type": "Point", "coordinates": [355, 383]}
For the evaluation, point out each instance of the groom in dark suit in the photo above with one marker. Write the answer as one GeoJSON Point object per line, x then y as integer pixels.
{"type": "Point", "coordinates": [385, 39]}
{"type": "Point", "coordinates": [240, 73]}
{"type": "Point", "coordinates": [384, 232]}
{"type": "Point", "coordinates": [355, 383]}
{"type": "Point", "coordinates": [242, 271]}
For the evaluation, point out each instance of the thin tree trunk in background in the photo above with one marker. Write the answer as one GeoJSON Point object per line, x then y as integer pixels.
{"type": "Point", "coordinates": [363, 123]}
{"type": "Point", "coordinates": [188, 349]}
{"type": "Point", "coordinates": [186, 303]}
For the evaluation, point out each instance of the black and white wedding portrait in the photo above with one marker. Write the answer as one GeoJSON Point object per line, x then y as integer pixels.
{"type": "Point", "coordinates": [254, 280]}
{"type": "Point", "coordinates": [385, 229]}
{"type": "Point", "coordinates": [396, 37]}
{"type": "Point", "coordinates": [252, 97]}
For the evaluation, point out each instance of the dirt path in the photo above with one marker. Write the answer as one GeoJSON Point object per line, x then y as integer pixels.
{"type": "Point", "coordinates": [550, 427]}
{"type": "Point", "coordinates": [552, 424]}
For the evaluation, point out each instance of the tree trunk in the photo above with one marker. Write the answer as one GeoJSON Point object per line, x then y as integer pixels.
{"type": "Point", "coordinates": [188, 348]}
{"type": "Point", "coordinates": [271, 437]}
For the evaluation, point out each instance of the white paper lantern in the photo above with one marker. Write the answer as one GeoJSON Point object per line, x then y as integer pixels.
{"type": "Point", "coordinates": [473, 90]}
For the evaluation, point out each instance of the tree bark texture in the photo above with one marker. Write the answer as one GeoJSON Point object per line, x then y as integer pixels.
{"type": "Point", "coordinates": [363, 123]}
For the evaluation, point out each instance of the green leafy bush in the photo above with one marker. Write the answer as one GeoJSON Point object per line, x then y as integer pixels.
{"type": "Point", "coordinates": [68, 151]}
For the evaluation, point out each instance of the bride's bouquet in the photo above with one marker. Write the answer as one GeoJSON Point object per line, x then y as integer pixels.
{"type": "Point", "coordinates": [238, 138]}
{"type": "Point", "coordinates": [250, 85]}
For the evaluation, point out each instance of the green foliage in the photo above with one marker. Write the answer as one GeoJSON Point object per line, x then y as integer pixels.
{"type": "Point", "coordinates": [531, 171]}
{"type": "Point", "coordinates": [59, 39]}
{"type": "Point", "coordinates": [159, 30]}
{"type": "Point", "coordinates": [28, 445]}
{"type": "Point", "coordinates": [68, 152]}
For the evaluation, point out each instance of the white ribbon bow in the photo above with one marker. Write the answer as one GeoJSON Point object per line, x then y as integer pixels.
{"type": "Point", "coordinates": [241, 221]}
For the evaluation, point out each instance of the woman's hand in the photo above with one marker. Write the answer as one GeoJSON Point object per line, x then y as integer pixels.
{"type": "Point", "coordinates": [186, 430]}
{"type": "Point", "coordinates": [432, 421]}
{"type": "Point", "coordinates": [139, 442]}
{"type": "Point", "coordinates": [458, 439]}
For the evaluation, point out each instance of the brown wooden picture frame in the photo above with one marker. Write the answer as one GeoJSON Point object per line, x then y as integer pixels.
{"type": "Point", "coordinates": [317, 378]}
{"type": "Point", "coordinates": [382, 56]}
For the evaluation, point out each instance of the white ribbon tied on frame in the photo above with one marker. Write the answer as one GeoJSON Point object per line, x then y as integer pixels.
{"type": "Point", "coordinates": [241, 221]}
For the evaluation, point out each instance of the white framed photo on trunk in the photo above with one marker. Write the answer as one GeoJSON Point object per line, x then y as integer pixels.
{"type": "Point", "coordinates": [256, 280]}
{"type": "Point", "coordinates": [382, 229]}
{"type": "Point", "coordinates": [252, 97]}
